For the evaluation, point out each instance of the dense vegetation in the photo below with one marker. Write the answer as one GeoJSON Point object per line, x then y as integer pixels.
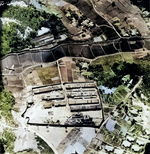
{"type": "Point", "coordinates": [11, 42]}
{"type": "Point", "coordinates": [14, 35]}
{"type": "Point", "coordinates": [113, 78]}
{"type": "Point", "coordinates": [119, 75]}
{"type": "Point", "coordinates": [7, 140]}
{"type": "Point", "coordinates": [7, 102]}
{"type": "Point", "coordinates": [43, 146]}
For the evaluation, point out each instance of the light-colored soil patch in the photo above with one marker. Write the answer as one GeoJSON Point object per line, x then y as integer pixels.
{"type": "Point", "coordinates": [25, 140]}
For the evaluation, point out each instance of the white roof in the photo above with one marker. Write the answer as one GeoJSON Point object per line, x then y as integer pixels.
{"type": "Point", "coordinates": [110, 125]}
{"type": "Point", "coordinates": [98, 39]}
{"type": "Point", "coordinates": [109, 148]}
{"type": "Point", "coordinates": [19, 3]}
{"type": "Point", "coordinates": [118, 151]}
{"type": "Point", "coordinates": [43, 31]}
{"type": "Point", "coordinates": [126, 144]}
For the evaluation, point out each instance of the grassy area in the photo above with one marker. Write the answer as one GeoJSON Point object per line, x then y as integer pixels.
{"type": "Point", "coordinates": [8, 138]}
{"type": "Point", "coordinates": [120, 94]}
{"type": "Point", "coordinates": [47, 73]}
{"type": "Point", "coordinates": [127, 57]}
{"type": "Point", "coordinates": [28, 151]}
{"type": "Point", "coordinates": [114, 137]}
{"type": "Point", "coordinates": [108, 60]}
{"type": "Point", "coordinates": [7, 101]}
{"type": "Point", "coordinates": [43, 146]}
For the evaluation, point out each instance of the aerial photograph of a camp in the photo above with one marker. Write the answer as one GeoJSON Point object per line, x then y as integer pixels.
{"type": "Point", "coordinates": [75, 77]}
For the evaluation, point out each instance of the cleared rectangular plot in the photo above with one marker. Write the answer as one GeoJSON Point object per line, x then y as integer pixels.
{"type": "Point", "coordinates": [63, 71]}
{"type": "Point", "coordinates": [75, 76]}
{"type": "Point", "coordinates": [9, 61]}
{"type": "Point", "coordinates": [135, 45]}
{"type": "Point", "coordinates": [69, 72]}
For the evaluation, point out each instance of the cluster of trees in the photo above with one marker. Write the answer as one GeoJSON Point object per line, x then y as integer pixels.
{"type": "Point", "coordinates": [120, 71]}
{"type": "Point", "coordinates": [28, 16]}
{"type": "Point", "coordinates": [114, 77]}
{"type": "Point", "coordinates": [145, 69]}
{"type": "Point", "coordinates": [7, 101]}
{"type": "Point", "coordinates": [7, 141]}
{"type": "Point", "coordinates": [11, 40]}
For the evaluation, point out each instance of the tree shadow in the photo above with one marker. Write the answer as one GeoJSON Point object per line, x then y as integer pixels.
{"type": "Point", "coordinates": [3, 7]}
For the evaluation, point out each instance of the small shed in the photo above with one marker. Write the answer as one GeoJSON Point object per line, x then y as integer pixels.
{"type": "Point", "coordinates": [85, 66]}
{"type": "Point", "coordinates": [126, 144]}
{"type": "Point", "coordinates": [129, 138]}
{"type": "Point", "coordinates": [118, 151]}
{"type": "Point", "coordinates": [109, 148]}
{"type": "Point", "coordinates": [136, 148]}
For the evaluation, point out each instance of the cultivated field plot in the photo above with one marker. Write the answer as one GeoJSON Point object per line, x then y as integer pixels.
{"type": "Point", "coordinates": [108, 60]}
{"type": "Point", "coordinates": [37, 57]}
{"type": "Point", "coordinates": [75, 50]}
{"type": "Point", "coordinates": [122, 9]}
{"type": "Point", "coordinates": [69, 71]}
{"type": "Point", "coordinates": [25, 59]}
{"type": "Point", "coordinates": [47, 57]}
{"type": "Point", "coordinates": [58, 53]}
{"type": "Point", "coordinates": [84, 6]}
{"type": "Point", "coordinates": [75, 76]}
{"type": "Point", "coordinates": [49, 75]}
{"type": "Point", "coordinates": [109, 49]}
{"type": "Point", "coordinates": [4, 63]}
{"type": "Point", "coordinates": [63, 71]}
{"type": "Point", "coordinates": [147, 43]}
{"type": "Point", "coordinates": [127, 57]}
{"type": "Point", "coordinates": [65, 49]}
{"type": "Point", "coordinates": [14, 81]}
{"type": "Point", "coordinates": [135, 45]}
{"type": "Point", "coordinates": [97, 50]}
{"type": "Point", "coordinates": [125, 47]}
{"type": "Point", "coordinates": [12, 60]}
{"type": "Point", "coordinates": [32, 79]}
{"type": "Point", "coordinates": [86, 52]}
{"type": "Point", "coordinates": [109, 32]}
{"type": "Point", "coordinates": [9, 61]}
{"type": "Point", "coordinates": [72, 29]}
